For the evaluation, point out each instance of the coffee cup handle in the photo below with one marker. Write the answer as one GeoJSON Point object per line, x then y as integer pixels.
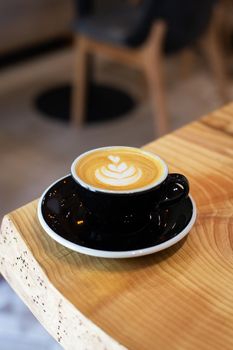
{"type": "Point", "coordinates": [175, 188]}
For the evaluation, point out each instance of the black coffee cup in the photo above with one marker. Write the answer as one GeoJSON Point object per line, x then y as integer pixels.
{"type": "Point", "coordinates": [123, 213]}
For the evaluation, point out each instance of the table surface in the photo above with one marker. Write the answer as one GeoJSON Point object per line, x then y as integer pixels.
{"type": "Point", "coordinates": [180, 298]}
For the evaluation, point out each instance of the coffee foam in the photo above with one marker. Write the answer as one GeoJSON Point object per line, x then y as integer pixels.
{"type": "Point", "coordinates": [118, 173]}
{"type": "Point", "coordinates": [119, 169]}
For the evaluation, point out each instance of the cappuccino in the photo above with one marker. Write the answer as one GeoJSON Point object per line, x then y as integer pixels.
{"type": "Point", "coordinates": [119, 169]}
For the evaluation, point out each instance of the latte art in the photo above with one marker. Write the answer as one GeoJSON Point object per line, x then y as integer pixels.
{"type": "Point", "coordinates": [119, 169]}
{"type": "Point", "coordinates": [118, 173]}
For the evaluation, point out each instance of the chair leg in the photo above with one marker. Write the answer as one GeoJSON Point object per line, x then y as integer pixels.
{"type": "Point", "coordinates": [80, 83]}
{"type": "Point", "coordinates": [153, 65]}
{"type": "Point", "coordinates": [213, 51]}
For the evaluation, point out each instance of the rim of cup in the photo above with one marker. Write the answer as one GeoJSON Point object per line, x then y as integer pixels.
{"type": "Point", "coordinates": [131, 191]}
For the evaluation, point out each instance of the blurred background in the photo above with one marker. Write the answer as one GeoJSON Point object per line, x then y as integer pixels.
{"type": "Point", "coordinates": [75, 75]}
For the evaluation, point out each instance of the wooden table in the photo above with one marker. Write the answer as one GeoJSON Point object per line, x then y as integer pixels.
{"type": "Point", "coordinates": [181, 298]}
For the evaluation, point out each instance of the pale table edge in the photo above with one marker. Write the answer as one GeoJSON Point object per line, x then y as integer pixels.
{"type": "Point", "coordinates": [63, 321]}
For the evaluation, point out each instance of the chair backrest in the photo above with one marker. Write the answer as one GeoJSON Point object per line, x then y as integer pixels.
{"type": "Point", "coordinates": [186, 20]}
{"type": "Point", "coordinates": [83, 7]}
{"type": "Point", "coordinates": [89, 7]}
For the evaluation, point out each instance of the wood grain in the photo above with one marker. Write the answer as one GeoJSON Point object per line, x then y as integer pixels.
{"type": "Point", "coordinates": [180, 298]}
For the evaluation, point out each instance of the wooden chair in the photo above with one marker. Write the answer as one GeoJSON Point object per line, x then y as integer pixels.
{"type": "Point", "coordinates": [149, 57]}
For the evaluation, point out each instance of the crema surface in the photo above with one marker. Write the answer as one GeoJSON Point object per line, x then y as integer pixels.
{"type": "Point", "coordinates": [119, 169]}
